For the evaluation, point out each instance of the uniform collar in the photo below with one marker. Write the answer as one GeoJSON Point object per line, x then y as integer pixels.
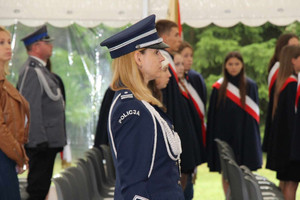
{"type": "Point", "coordinates": [40, 60]}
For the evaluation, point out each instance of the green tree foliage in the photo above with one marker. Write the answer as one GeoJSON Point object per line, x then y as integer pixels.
{"type": "Point", "coordinates": [256, 44]}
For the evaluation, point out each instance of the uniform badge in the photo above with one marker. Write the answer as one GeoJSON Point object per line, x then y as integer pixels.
{"type": "Point", "coordinates": [127, 113]}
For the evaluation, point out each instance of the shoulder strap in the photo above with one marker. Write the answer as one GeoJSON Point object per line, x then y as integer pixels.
{"type": "Point", "coordinates": [45, 86]}
{"type": "Point", "coordinates": [23, 80]}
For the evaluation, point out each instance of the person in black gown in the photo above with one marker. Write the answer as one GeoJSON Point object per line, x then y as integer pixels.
{"type": "Point", "coordinates": [233, 116]}
{"type": "Point", "coordinates": [282, 130]}
{"type": "Point", "coordinates": [283, 40]}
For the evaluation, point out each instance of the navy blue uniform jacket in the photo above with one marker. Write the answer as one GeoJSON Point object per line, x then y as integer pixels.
{"type": "Point", "coordinates": [132, 140]}
{"type": "Point", "coordinates": [234, 125]}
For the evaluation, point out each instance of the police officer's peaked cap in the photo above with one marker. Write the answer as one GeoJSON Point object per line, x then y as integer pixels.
{"type": "Point", "coordinates": [40, 34]}
{"type": "Point", "coordinates": [143, 34]}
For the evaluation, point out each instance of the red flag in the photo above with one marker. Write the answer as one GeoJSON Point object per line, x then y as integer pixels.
{"type": "Point", "coordinates": [174, 14]}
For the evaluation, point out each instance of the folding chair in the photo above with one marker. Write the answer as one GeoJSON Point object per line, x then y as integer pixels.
{"type": "Point", "coordinates": [238, 189]}
{"type": "Point", "coordinates": [89, 173]}
{"type": "Point", "coordinates": [111, 172]}
{"type": "Point", "coordinates": [224, 147]}
{"type": "Point", "coordinates": [267, 188]}
{"type": "Point", "coordinates": [95, 162]}
{"type": "Point", "coordinates": [253, 189]}
{"type": "Point", "coordinates": [75, 186]}
{"type": "Point", "coordinates": [63, 188]}
{"type": "Point", "coordinates": [226, 150]}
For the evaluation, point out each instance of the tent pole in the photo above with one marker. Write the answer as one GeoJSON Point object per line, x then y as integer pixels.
{"type": "Point", "coordinates": [145, 8]}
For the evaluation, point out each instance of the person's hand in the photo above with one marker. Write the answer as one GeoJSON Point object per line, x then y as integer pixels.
{"type": "Point", "coordinates": [21, 170]}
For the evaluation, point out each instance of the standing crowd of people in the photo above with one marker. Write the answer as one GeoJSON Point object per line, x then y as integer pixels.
{"type": "Point", "coordinates": [32, 118]}
{"type": "Point", "coordinates": [232, 116]}
{"type": "Point", "coordinates": [153, 115]}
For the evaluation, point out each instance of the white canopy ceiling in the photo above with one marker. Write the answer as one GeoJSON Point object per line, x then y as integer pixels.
{"type": "Point", "coordinates": [196, 13]}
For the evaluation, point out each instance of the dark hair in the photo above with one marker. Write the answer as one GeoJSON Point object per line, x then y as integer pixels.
{"type": "Point", "coordinates": [242, 81]}
{"type": "Point", "coordinates": [28, 47]}
{"type": "Point", "coordinates": [281, 42]}
{"type": "Point", "coordinates": [184, 45]}
{"type": "Point", "coordinates": [285, 70]}
{"type": "Point", "coordinates": [164, 26]}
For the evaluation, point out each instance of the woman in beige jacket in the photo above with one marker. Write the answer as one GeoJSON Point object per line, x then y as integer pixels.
{"type": "Point", "coordinates": [14, 126]}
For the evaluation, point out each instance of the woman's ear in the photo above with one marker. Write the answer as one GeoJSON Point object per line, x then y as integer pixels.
{"type": "Point", "coordinates": [137, 58]}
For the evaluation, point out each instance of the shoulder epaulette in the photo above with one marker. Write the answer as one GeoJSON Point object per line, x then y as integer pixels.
{"type": "Point", "coordinates": [126, 95]}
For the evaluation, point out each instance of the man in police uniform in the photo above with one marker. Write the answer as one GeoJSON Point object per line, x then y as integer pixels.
{"type": "Point", "coordinates": [47, 134]}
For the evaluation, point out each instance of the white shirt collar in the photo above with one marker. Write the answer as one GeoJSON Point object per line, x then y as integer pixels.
{"type": "Point", "coordinates": [40, 60]}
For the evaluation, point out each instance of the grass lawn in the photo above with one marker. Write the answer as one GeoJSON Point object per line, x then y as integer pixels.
{"type": "Point", "coordinates": [208, 185]}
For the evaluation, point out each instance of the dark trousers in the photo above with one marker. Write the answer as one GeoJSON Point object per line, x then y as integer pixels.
{"type": "Point", "coordinates": [41, 162]}
{"type": "Point", "coordinates": [9, 184]}
{"type": "Point", "coordinates": [189, 188]}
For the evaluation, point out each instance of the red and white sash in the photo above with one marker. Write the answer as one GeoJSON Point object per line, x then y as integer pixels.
{"type": "Point", "coordinates": [298, 93]}
{"type": "Point", "coordinates": [187, 94]}
{"type": "Point", "coordinates": [198, 104]}
{"type": "Point", "coordinates": [233, 93]}
{"type": "Point", "coordinates": [272, 76]}
{"type": "Point", "coordinates": [290, 79]}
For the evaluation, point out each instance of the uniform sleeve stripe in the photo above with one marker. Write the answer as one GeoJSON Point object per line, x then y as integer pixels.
{"type": "Point", "coordinates": [109, 125]}
{"type": "Point", "coordinates": [155, 138]}
{"type": "Point", "coordinates": [137, 197]}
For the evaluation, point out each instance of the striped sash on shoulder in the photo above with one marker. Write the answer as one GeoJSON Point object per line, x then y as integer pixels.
{"type": "Point", "coordinates": [233, 93]}
{"type": "Point", "coordinates": [272, 76]}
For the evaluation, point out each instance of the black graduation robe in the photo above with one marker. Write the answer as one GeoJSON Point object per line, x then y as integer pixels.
{"type": "Point", "coordinates": [295, 147]}
{"type": "Point", "coordinates": [198, 83]}
{"type": "Point", "coordinates": [231, 123]}
{"type": "Point", "coordinates": [101, 136]}
{"type": "Point", "coordinates": [268, 121]}
{"type": "Point", "coordinates": [181, 111]}
{"type": "Point", "coordinates": [281, 130]}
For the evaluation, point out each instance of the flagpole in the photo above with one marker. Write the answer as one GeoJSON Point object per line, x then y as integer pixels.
{"type": "Point", "coordinates": [145, 8]}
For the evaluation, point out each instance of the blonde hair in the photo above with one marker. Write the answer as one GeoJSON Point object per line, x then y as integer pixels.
{"type": "Point", "coordinates": [6, 66]}
{"type": "Point", "coordinates": [127, 76]}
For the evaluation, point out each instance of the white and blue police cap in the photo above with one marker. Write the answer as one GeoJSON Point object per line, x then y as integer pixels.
{"type": "Point", "coordinates": [40, 34]}
{"type": "Point", "coordinates": [143, 34]}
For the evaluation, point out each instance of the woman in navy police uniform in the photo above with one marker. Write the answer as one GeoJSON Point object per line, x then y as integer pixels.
{"type": "Point", "coordinates": [145, 148]}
